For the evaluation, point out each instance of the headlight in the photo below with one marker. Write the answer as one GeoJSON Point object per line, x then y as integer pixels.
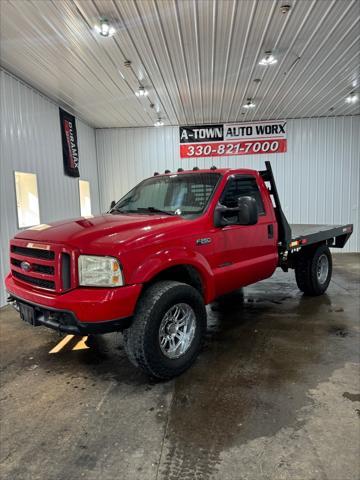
{"type": "Point", "coordinates": [99, 271]}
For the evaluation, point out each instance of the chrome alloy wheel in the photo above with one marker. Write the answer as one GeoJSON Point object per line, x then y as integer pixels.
{"type": "Point", "coordinates": [322, 268]}
{"type": "Point", "coordinates": [177, 330]}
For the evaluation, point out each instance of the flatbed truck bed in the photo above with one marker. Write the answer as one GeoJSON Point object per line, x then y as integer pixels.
{"type": "Point", "coordinates": [306, 234]}
{"type": "Point", "coordinates": [295, 236]}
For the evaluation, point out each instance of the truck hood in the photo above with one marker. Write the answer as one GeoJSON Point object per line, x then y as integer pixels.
{"type": "Point", "coordinates": [108, 229]}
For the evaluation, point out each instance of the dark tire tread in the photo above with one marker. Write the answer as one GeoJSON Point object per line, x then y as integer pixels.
{"type": "Point", "coordinates": [139, 337]}
{"type": "Point", "coordinates": [306, 270]}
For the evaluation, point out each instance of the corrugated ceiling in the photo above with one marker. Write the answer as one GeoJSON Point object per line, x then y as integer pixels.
{"type": "Point", "coordinates": [197, 58]}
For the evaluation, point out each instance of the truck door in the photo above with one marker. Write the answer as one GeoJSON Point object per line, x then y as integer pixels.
{"type": "Point", "coordinates": [249, 252]}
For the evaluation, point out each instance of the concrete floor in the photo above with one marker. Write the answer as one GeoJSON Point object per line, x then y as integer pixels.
{"type": "Point", "coordinates": [274, 395]}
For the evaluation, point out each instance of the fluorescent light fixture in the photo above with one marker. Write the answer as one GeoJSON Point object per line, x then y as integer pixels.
{"type": "Point", "coordinates": [159, 123]}
{"type": "Point", "coordinates": [285, 8]}
{"type": "Point", "coordinates": [269, 59]}
{"type": "Point", "coordinates": [142, 92]}
{"type": "Point", "coordinates": [249, 104]}
{"type": "Point", "coordinates": [352, 98]}
{"type": "Point", "coordinates": [105, 29]}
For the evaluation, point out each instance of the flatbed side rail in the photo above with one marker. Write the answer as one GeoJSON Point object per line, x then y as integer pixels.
{"type": "Point", "coordinates": [334, 237]}
{"type": "Point", "coordinates": [283, 225]}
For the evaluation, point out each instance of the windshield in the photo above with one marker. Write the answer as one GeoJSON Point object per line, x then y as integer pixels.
{"type": "Point", "coordinates": [185, 194]}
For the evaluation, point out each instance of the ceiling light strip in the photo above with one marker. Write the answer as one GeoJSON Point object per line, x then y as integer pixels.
{"type": "Point", "coordinates": [261, 43]}
{"type": "Point", "coordinates": [100, 45]}
{"type": "Point", "coordinates": [182, 50]}
{"type": "Point", "coordinates": [139, 16]}
{"type": "Point", "coordinates": [324, 41]}
{"type": "Point", "coordinates": [289, 50]}
{"type": "Point", "coordinates": [325, 74]}
{"type": "Point", "coordinates": [229, 46]}
{"type": "Point", "coordinates": [169, 58]}
{"type": "Point", "coordinates": [197, 47]}
{"type": "Point", "coordinates": [244, 47]}
{"type": "Point", "coordinates": [265, 71]}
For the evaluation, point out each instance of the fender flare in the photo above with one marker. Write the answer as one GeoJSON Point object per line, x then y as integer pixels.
{"type": "Point", "coordinates": [167, 258]}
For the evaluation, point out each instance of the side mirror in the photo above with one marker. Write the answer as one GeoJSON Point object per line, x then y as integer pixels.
{"type": "Point", "coordinates": [248, 212]}
{"type": "Point", "coordinates": [112, 204]}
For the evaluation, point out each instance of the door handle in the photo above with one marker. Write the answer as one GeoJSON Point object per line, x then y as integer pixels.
{"type": "Point", "coordinates": [270, 229]}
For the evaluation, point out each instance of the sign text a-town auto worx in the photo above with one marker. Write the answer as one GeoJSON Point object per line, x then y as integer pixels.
{"type": "Point", "coordinates": [233, 139]}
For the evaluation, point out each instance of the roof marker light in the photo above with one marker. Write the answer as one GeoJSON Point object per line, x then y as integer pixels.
{"type": "Point", "coordinates": [156, 174]}
{"type": "Point", "coordinates": [167, 171]}
{"type": "Point", "coordinates": [180, 170]}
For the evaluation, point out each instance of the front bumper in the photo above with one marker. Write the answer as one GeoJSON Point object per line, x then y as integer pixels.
{"type": "Point", "coordinates": [64, 321]}
{"type": "Point", "coordinates": [89, 308]}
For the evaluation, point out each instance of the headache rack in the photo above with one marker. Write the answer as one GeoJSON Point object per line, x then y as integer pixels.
{"type": "Point", "coordinates": [284, 230]}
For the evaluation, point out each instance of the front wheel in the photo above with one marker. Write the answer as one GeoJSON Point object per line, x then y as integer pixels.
{"type": "Point", "coordinates": [168, 329]}
{"type": "Point", "coordinates": [313, 270]}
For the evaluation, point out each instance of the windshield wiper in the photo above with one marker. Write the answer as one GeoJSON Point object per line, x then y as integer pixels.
{"type": "Point", "coordinates": [155, 210]}
{"type": "Point", "coordinates": [119, 210]}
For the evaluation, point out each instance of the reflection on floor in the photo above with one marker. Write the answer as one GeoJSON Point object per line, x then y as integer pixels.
{"type": "Point", "coordinates": [70, 342]}
{"type": "Point", "coordinates": [274, 395]}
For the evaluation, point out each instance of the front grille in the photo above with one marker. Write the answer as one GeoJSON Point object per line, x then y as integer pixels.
{"type": "Point", "coordinates": [33, 252]}
{"type": "Point", "coordinates": [54, 265]}
{"type": "Point", "coordinates": [35, 267]}
{"type": "Point", "coordinates": [38, 282]}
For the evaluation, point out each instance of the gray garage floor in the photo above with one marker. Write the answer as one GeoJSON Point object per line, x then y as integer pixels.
{"type": "Point", "coordinates": [274, 395]}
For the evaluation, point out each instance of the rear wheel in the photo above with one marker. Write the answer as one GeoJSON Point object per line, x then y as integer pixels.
{"type": "Point", "coordinates": [168, 329]}
{"type": "Point", "coordinates": [313, 270]}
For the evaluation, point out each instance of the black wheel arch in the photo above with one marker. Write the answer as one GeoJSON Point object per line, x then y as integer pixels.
{"type": "Point", "coordinates": [183, 273]}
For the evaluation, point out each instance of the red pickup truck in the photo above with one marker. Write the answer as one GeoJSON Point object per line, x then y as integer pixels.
{"type": "Point", "coordinates": [148, 267]}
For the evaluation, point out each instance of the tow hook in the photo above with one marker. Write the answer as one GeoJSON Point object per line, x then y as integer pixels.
{"type": "Point", "coordinates": [12, 301]}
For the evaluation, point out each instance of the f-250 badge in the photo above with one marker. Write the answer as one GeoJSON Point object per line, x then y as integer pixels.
{"type": "Point", "coordinates": [203, 241]}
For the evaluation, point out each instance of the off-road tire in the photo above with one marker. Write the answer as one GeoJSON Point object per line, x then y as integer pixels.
{"type": "Point", "coordinates": [141, 339]}
{"type": "Point", "coordinates": [306, 268]}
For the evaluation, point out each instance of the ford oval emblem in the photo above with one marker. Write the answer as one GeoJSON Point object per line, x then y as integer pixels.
{"type": "Point", "coordinates": [25, 266]}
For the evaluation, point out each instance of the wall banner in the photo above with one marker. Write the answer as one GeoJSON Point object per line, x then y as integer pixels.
{"type": "Point", "coordinates": [222, 140]}
{"type": "Point", "coordinates": [69, 144]}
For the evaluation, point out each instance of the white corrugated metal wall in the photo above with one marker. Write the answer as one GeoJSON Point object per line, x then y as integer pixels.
{"type": "Point", "coordinates": [318, 179]}
{"type": "Point", "coordinates": [31, 142]}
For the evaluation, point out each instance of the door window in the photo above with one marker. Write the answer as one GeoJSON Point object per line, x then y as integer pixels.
{"type": "Point", "coordinates": [242, 186]}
